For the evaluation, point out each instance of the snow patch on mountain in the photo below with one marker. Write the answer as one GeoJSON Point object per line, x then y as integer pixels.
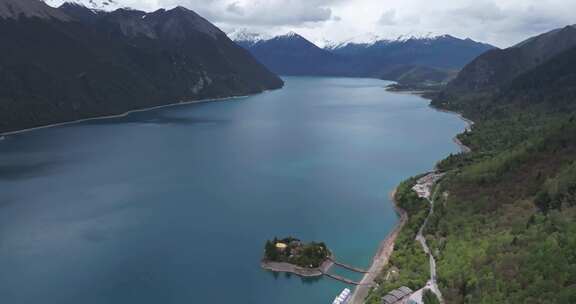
{"type": "Point", "coordinates": [247, 36]}
{"type": "Point", "coordinates": [371, 39]}
{"type": "Point", "coordinates": [365, 39]}
{"type": "Point", "coordinates": [103, 5]}
{"type": "Point", "coordinates": [290, 34]}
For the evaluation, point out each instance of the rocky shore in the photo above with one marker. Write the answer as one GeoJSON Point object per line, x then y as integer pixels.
{"type": "Point", "coordinates": [381, 258]}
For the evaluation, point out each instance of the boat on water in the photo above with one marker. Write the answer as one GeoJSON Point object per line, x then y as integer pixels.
{"type": "Point", "coordinates": [343, 297]}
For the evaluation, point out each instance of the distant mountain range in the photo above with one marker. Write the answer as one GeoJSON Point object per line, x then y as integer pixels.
{"type": "Point", "coordinates": [292, 54]}
{"type": "Point", "coordinates": [72, 62]}
{"type": "Point", "coordinates": [433, 51]}
{"type": "Point", "coordinates": [289, 54]}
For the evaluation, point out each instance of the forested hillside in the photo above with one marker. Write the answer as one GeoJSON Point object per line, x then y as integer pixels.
{"type": "Point", "coordinates": [504, 230]}
{"type": "Point", "coordinates": [69, 63]}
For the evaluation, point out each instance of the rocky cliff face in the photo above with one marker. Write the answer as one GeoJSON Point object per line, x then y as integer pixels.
{"type": "Point", "coordinates": [76, 63]}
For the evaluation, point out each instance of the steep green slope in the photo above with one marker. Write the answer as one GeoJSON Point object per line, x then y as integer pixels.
{"type": "Point", "coordinates": [408, 265]}
{"type": "Point", "coordinates": [489, 76]}
{"type": "Point", "coordinates": [504, 226]}
{"type": "Point", "coordinates": [504, 230]}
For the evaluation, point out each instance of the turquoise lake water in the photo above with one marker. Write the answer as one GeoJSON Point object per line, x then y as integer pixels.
{"type": "Point", "coordinates": [174, 205]}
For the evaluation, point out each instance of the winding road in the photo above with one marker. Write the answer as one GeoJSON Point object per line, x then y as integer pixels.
{"type": "Point", "coordinates": [432, 283]}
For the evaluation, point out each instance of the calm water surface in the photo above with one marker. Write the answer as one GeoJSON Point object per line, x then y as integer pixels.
{"type": "Point", "coordinates": [174, 205]}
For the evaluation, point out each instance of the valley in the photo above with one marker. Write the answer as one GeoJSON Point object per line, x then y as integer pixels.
{"type": "Point", "coordinates": [122, 183]}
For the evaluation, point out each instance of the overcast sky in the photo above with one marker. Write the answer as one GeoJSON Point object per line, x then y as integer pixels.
{"type": "Point", "coordinates": [500, 22]}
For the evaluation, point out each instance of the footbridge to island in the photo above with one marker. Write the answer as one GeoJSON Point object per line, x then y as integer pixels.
{"type": "Point", "coordinates": [347, 267]}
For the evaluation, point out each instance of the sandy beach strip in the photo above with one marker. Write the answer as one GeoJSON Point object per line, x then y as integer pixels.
{"type": "Point", "coordinates": [381, 258]}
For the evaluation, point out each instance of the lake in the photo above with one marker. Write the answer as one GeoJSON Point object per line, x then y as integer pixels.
{"type": "Point", "coordinates": [174, 205]}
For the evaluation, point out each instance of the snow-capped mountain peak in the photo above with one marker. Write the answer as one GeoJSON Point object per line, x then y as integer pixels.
{"type": "Point", "coordinates": [419, 36]}
{"type": "Point", "coordinates": [371, 39]}
{"type": "Point", "coordinates": [247, 36]}
{"type": "Point", "coordinates": [290, 34]}
{"type": "Point", "coordinates": [103, 5]}
{"type": "Point", "coordinates": [367, 39]}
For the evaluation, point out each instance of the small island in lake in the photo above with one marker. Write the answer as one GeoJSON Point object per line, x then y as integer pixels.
{"type": "Point", "coordinates": [293, 256]}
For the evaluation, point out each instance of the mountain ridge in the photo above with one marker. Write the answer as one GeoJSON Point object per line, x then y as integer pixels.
{"type": "Point", "coordinates": [95, 63]}
{"type": "Point", "coordinates": [503, 229]}
{"type": "Point", "coordinates": [101, 5]}
{"type": "Point", "coordinates": [380, 58]}
{"type": "Point", "coordinates": [289, 54]}
{"type": "Point", "coordinates": [17, 9]}
{"type": "Point", "coordinates": [497, 67]}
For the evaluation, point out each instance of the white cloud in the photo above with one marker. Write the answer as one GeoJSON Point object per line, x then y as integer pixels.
{"type": "Point", "coordinates": [248, 13]}
{"type": "Point", "coordinates": [388, 17]}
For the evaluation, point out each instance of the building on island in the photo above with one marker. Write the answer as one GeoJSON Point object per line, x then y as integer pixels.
{"type": "Point", "coordinates": [281, 246]}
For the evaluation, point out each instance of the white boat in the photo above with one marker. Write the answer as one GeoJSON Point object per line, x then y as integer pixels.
{"type": "Point", "coordinates": [343, 297]}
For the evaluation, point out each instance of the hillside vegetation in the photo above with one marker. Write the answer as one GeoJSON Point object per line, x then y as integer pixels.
{"type": "Point", "coordinates": [408, 265]}
{"type": "Point", "coordinates": [504, 230]}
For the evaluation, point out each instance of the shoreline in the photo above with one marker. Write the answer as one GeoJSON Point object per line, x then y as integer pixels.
{"type": "Point", "coordinates": [469, 125]}
{"type": "Point", "coordinates": [420, 93]}
{"type": "Point", "coordinates": [3, 135]}
{"type": "Point", "coordinates": [464, 148]}
{"type": "Point", "coordinates": [469, 122]}
{"type": "Point", "coordinates": [279, 267]}
{"type": "Point", "coordinates": [382, 256]}
{"type": "Point", "coordinates": [386, 247]}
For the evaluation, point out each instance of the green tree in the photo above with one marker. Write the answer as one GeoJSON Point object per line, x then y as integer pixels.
{"type": "Point", "coordinates": [270, 251]}
{"type": "Point", "coordinates": [542, 201]}
{"type": "Point", "coordinates": [429, 297]}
